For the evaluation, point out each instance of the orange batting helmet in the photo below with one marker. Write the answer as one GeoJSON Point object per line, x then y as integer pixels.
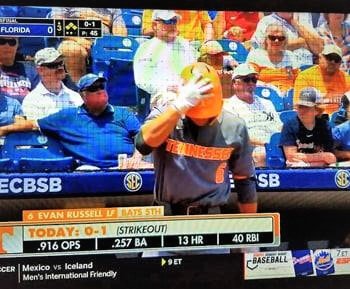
{"type": "Point", "coordinates": [211, 106]}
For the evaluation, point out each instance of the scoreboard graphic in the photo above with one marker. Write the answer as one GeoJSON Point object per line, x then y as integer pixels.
{"type": "Point", "coordinates": [39, 27]}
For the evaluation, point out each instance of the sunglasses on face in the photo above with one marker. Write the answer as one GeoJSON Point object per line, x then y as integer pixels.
{"type": "Point", "coordinates": [10, 41]}
{"type": "Point", "coordinates": [333, 57]}
{"type": "Point", "coordinates": [54, 65]}
{"type": "Point", "coordinates": [95, 87]}
{"type": "Point", "coordinates": [249, 79]}
{"type": "Point", "coordinates": [171, 21]}
{"type": "Point", "coordinates": [274, 38]}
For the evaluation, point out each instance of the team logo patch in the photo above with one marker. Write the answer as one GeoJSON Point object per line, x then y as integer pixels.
{"type": "Point", "coordinates": [342, 179]}
{"type": "Point", "coordinates": [323, 262]}
{"type": "Point", "coordinates": [133, 181]}
{"type": "Point", "coordinates": [302, 262]}
{"type": "Point", "coordinates": [42, 139]}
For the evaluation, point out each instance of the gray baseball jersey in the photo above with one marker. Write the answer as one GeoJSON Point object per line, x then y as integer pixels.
{"type": "Point", "coordinates": [192, 165]}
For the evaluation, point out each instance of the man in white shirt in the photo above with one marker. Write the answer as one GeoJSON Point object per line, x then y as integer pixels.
{"type": "Point", "coordinates": [50, 95]}
{"type": "Point", "coordinates": [159, 61]}
{"type": "Point", "coordinates": [260, 115]}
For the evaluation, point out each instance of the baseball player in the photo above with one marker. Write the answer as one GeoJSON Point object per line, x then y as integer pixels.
{"type": "Point", "coordinates": [195, 143]}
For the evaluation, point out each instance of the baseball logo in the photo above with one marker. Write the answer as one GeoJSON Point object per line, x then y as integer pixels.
{"type": "Point", "coordinates": [133, 181]}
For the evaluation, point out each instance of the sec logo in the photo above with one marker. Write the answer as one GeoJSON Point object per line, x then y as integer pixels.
{"type": "Point", "coordinates": [342, 179]}
{"type": "Point", "coordinates": [133, 181]}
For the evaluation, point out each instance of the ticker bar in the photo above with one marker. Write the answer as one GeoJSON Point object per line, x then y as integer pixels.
{"type": "Point", "coordinates": [32, 30]}
{"type": "Point", "coordinates": [11, 20]}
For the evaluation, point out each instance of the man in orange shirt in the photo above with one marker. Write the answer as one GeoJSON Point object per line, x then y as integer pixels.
{"type": "Point", "coordinates": [326, 77]}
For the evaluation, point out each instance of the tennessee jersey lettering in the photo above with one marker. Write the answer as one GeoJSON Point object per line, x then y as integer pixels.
{"type": "Point", "coordinates": [197, 151]}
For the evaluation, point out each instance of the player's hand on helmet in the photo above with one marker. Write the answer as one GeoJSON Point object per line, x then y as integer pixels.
{"type": "Point", "coordinates": [192, 92]}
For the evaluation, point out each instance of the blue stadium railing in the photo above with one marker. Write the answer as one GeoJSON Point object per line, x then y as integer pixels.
{"type": "Point", "coordinates": [122, 183]}
{"type": "Point", "coordinates": [32, 164]}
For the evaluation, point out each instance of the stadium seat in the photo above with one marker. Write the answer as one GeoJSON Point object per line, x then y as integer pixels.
{"type": "Point", "coordinates": [268, 92]}
{"type": "Point", "coordinates": [305, 66]}
{"type": "Point", "coordinates": [338, 117]}
{"type": "Point", "coordinates": [133, 21]}
{"type": "Point", "coordinates": [143, 104]}
{"type": "Point", "coordinates": [287, 115]}
{"type": "Point", "coordinates": [110, 46]}
{"type": "Point", "coordinates": [34, 152]}
{"type": "Point", "coordinates": [274, 154]}
{"type": "Point", "coordinates": [112, 57]}
{"type": "Point", "coordinates": [28, 46]}
{"type": "Point", "coordinates": [288, 99]}
{"type": "Point", "coordinates": [235, 48]}
{"type": "Point", "coordinates": [121, 85]}
{"type": "Point", "coordinates": [34, 11]}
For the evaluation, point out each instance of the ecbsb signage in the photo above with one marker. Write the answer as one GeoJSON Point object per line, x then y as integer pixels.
{"type": "Point", "coordinates": [30, 185]}
{"type": "Point", "coordinates": [268, 180]}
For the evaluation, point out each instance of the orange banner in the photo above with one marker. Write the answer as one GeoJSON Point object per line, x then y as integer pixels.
{"type": "Point", "coordinates": [91, 214]}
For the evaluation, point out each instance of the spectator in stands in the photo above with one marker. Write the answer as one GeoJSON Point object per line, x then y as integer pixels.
{"type": "Point", "coordinates": [76, 50]}
{"type": "Point", "coordinates": [275, 64]}
{"type": "Point", "coordinates": [330, 27]}
{"type": "Point", "coordinates": [193, 25]}
{"type": "Point", "coordinates": [259, 114]}
{"type": "Point", "coordinates": [325, 77]}
{"type": "Point", "coordinates": [50, 95]}
{"type": "Point", "coordinates": [303, 39]}
{"type": "Point", "coordinates": [17, 78]}
{"type": "Point", "coordinates": [240, 25]}
{"type": "Point", "coordinates": [212, 53]}
{"type": "Point", "coordinates": [159, 61]}
{"type": "Point", "coordinates": [341, 134]}
{"type": "Point", "coordinates": [218, 22]}
{"type": "Point", "coordinates": [195, 143]}
{"type": "Point", "coordinates": [9, 109]}
{"type": "Point", "coordinates": [94, 133]}
{"type": "Point", "coordinates": [307, 138]}
{"type": "Point", "coordinates": [341, 115]}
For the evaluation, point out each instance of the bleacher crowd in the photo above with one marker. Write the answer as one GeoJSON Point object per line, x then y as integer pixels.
{"type": "Point", "coordinates": [285, 74]}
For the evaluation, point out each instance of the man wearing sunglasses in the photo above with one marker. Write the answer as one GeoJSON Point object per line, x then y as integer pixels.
{"type": "Point", "coordinates": [94, 133]}
{"type": "Point", "coordinates": [17, 78]}
{"type": "Point", "coordinates": [50, 95]}
{"type": "Point", "coordinates": [159, 61]}
{"type": "Point", "coordinates": [259, 114]}
{"type": "Point", "coordinates": [326, 77]}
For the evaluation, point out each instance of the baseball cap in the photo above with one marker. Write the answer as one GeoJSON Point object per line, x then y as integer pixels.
{"type": "Point", "coordinates": [309, 96]}
{"type": "Point", "coordinates": [165, 15]}
{"type": "Point", "coordinates": [243, 69]}
{"type": "Point", "coordinates": [88, 79]}
{"type": "Point", "coordinates": [331, 48]}
{"type": "Point", "coordinates": [211, 47]}
{"type": "Point", "coordinates": [46, 55]}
